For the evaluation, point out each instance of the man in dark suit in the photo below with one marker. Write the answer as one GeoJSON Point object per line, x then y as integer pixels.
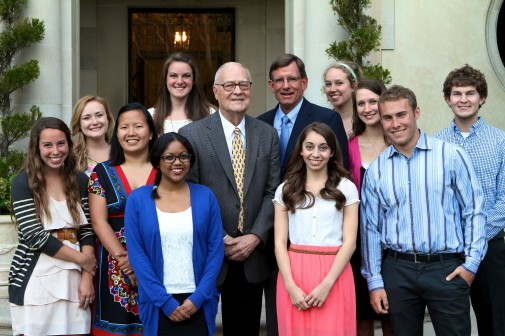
{"type": "Point", "coordinates": [288, 81]}
{"type": "Point", "coordinates": [246, 205]}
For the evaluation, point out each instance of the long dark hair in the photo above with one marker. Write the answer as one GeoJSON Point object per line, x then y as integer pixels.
{"type": "Point", "coordinates": [116, 155]}
{"type": "Point", "coordinates": [197, 105]}
{"type": "Point", "coordinates": [294, 193]}
{"type": "Point", "coordinates": [358, 126]}
{"type": "Point", "coordinates": [34, 168]}
{"type": "Point", "coordinates": [157, 150]}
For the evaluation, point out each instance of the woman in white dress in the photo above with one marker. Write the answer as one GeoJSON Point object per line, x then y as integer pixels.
{"type": "Point", "coordinates": [51, 276]}
{"type": "Point", "coordinates": [316, 208]}
{"type": "Point", "coordinates": [92, 125]}
{"type": "Point", "coordinates": [181, 98]}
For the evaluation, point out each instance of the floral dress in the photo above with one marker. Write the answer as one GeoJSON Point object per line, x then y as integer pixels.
{"type": "Point", "coordinates": [116, 310]}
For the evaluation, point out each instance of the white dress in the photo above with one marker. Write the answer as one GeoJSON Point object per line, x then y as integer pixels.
{"type": "Point", "coordinates": [51, 302]}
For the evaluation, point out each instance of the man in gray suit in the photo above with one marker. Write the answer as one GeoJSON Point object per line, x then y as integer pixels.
{"type": "Point", "coordinates": [246, 204]}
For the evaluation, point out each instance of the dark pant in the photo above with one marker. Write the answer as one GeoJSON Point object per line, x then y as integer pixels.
{"type": "Point", "coordinates": [488, 291]}
{"type": "Point", "coordinates": [241, 303]}
{"type": "Point", "coordinates": [411, 287]}
{"type": "Point", "coordinates": [195, 325]}
{"type": "Point", "coordinates": [270, 303]}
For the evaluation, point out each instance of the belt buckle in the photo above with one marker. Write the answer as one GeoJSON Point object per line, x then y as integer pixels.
{"type": "Point", "coordinates": [415, 259]}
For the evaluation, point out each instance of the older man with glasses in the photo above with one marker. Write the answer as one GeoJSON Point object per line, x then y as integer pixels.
{"type": "Point", "coordinates": [237, 156]}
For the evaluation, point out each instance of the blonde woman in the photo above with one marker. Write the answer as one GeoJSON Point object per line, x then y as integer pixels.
{"type": "Point", "coordinates": [92, 125]}
{"type": "Point", "coordinates": [339, 82]}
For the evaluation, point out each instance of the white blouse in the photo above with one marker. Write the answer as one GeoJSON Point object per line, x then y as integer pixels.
{"type": "Point", "coordinates": [176, 230]}
{"type": "Point", "coordinates": [321, 224]}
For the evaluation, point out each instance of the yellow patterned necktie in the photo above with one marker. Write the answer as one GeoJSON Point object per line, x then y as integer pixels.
{"type": "Point", "coordinates": [238, 164]}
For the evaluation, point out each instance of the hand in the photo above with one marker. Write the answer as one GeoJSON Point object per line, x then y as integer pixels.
{"type": "Point", "coordinates": [178, 315]}
{"type": "Point", "coordinates": [188, 307]}
{"type": "Point", "coordinates": [123, 262]}
{"type": "Point", "coordinates": [298, 297]}
{"type": "Point", "coordinates": [379, 301]}
{"type": "Point", "coordinates": [88, 263]}
{"type": "Point", "coordinates": [240, 248]}
{"type": "Point", "coordinates": [133, 279]}
{"type": "Point", "coordinates": [86, 291]}
{"type": "Point", "coordinates": [318, 296]}
{"type": "Point", "coordinates": [462, 272]}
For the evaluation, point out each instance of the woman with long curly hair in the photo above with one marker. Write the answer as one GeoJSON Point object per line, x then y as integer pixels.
{"type": "Point", "coordinates": [181, 98]}
{"type": "Point", "coordinates": [51, 276]}
{"type": "Point", "coordinates": [316, 208]}
{"type": "Point", "coordinates": [91, 125]}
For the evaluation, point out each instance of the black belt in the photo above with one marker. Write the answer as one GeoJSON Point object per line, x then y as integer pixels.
{"type": "Point", "coordinates": [423, 257]}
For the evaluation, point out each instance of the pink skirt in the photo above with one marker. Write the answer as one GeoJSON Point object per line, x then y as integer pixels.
{"type": "Point", "coordinates": [337, 316]}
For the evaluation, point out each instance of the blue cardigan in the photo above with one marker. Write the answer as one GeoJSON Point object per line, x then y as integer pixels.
{"type": "Point", "coordinates": [145, 255]}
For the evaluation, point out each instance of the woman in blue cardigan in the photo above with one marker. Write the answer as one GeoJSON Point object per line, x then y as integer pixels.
{"type": "Point", "coordinates": [175, 247]}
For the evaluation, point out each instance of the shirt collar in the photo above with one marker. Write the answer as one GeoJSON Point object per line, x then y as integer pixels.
{"type": "Point", "coordinates": [423, 143]}
{"type": "Point", "coordinates": [229, 128]}
{"type": "Point", "coordinates": [478, 124]}
{"type": "Point", "coordinates": [292, 115]}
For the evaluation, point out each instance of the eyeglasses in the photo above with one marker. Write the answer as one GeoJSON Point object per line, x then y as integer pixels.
{"type": "Point", "coordinates": [230, 86]}
{"type": "Point", "coordinates": [291, 81]}
{"type": "Point", "coordinates": [170, 158]}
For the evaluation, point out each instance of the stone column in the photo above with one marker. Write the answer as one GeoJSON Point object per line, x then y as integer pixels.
{"type": "Point", "coordinates": [53, 91]}
{"type": "Point", "coordinates": [310, 28]}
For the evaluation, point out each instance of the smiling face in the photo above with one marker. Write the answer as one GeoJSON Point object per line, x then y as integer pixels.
{"type": "Point", "coordinates": [238, 100]}
{"type": "Point", "coordinates": [133, 132]}
{"type": "Point", "coordinates": [465, 102]}
{"type": "Point", "coordinates": [288, 86]}
{"type": "Point", "coordinates": [337, 87]}
{"type": "Point", "coordinates": [53, 148]}
{"type": "Point", "coordinates": [176, 171]}
{"type": "Point", "coordinates": [367, 106]}
{"type": "Point", "coordinates": [93, 121]}
{"type": "Point", "coordinates": [399, 121]}
{"type": "Point", "coordinates": [179, 80]}
{"type": "Point", "coordinates": [315, 152]}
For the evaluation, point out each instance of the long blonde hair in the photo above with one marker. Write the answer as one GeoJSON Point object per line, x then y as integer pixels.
{"type": "Point", "coordinates": [34, 168]}
{"type": "Point", "coordinates": [78, 137]}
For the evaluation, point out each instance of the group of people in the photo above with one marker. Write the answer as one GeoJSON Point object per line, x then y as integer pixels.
{"type": "Point", "coordinates": [338, 217]}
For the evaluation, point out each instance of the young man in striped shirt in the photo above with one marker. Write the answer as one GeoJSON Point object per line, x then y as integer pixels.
{"type": "Point", "coordinates": [465, 91]}
{"type": "Point", "coordinates": [422, 208]}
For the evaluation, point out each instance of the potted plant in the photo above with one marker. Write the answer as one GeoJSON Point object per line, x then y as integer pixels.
{"type": "Point", "coordinates": [16, 33]}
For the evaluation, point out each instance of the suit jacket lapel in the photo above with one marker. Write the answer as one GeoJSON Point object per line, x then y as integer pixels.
{"type": "Point", "coordinates": [252, 146]}
{"type": "Point", "coordinates": [218, 141]}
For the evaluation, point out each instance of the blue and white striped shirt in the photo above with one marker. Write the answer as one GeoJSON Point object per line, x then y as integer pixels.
{"type": "Point", "coordinates": [486, 147]}
{"type": "Point", "coordinates": [431, 202]}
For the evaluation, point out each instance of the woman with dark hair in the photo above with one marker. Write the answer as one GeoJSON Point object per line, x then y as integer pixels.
{"type": "Point", "coordinates": [181, 99]}
{"type": "Point", "coordinates": [92, 125]}
{"type": "Point", "coordinates": [368, 142]}
{"type": "Point", "coordinates": [51, 276]}
{"type": "Point", "coordinates": [111, 182]}
{"type": "Point", "coordinates": [316, 208]}
{"type": "Point", "coordinates": [175, 244]}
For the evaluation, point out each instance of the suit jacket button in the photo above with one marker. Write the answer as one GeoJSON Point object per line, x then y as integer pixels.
{"type": "Point", "coordinates": [237, 206]}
